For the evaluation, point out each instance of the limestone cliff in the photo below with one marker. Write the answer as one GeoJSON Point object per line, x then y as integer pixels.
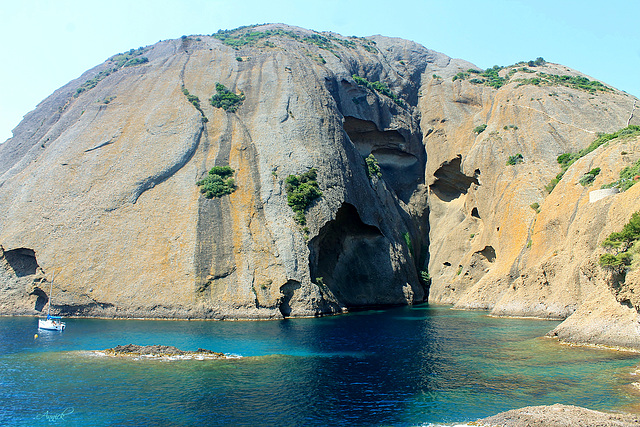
{"type": "Point", "coordinates": [99, 186]}
{"type": "Point", "coordinates": [98, 183]}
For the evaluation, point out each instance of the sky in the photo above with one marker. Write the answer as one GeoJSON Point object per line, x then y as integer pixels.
{"type": "Point", "coordinates": [46, 43]}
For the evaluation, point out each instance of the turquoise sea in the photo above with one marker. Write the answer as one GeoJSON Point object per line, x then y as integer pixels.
{"type": "Point", "coordinates": [397, 367]}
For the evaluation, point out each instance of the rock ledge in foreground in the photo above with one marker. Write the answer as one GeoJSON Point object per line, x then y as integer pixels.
{"type": "Point", "coordinates": [160, 351]}
{"type": "Point", "coordinates": [558, 416]}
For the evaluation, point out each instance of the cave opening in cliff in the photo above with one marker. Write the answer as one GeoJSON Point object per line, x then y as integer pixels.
{"type": "Point", "coordinates": [401, 161]}
{"type": "Point", "coordinates": [350, 258]}
{"type": "Point", "coordinates": [41, 299]}
{"type": "Point", "coordinates": [22, 261]}
{"type": "Point", "coordinates": [450, 182]}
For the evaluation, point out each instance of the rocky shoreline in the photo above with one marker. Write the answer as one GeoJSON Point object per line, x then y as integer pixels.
{"type": "Point", "coordinates": [160, 352]}
{"type": "Point", "coordinates": [558, 416]}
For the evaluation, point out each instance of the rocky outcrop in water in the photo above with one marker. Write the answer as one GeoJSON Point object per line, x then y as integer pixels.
{"type": "Point", "coordinates": [160, 351]}
{"type": "Point", "coordinates": [99, 183]}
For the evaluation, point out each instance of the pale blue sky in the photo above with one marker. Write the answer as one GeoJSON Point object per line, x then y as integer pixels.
{"type": "Point", "coordinates": [47, 43]}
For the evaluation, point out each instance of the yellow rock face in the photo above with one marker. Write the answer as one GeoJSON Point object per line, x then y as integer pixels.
{"type": "Point", "coordinates": [100, 187]}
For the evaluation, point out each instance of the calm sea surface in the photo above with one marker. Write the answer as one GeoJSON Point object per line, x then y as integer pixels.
{"type": "Point", "coordinates": [398, 367]}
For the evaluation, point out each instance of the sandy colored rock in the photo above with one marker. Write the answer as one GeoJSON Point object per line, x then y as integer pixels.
{"type": "Point", "coordinates": [98, 186]}
{"type": "Point", "coordinates": [558, 416]}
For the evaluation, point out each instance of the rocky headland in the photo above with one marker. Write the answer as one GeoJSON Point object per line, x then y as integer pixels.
{"type": "Point", "coordinates": [365, 172]}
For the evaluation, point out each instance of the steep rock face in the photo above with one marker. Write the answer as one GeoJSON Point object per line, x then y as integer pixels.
{"type": "Point", "coordinates": [499, 241]}
{"type": "Point", "coordinates": [98, 185]}
{"type": "Point", "coordinates": [102, 191]}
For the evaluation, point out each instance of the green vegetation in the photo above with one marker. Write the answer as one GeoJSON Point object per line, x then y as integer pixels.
{"type": "Point", "coordinates": [624, 243]}
{"type": "Point", "coordinates": [515, 159]}
{"type": "Point", "coordinates": [507, 127]}
{"type": "Point", "coordinates": [136, 61]}
{"type": "Point", "coordinates": [535, 206]}
{"type": "Point", "coordinates": [373, 168]}
{"type": "Point", "coordinates": [627, 177]}
{"type": "Point", "coordinates": [226, 99]}
{"type": "Point", "coordinates": [115, 63]}
{"type": "Point", "coordinates": [407, 240]}
{"type": "Point", "coordinates": [567, 159]}
{"type": "Point", "coordinates": [437, 77]}
{"type": "Point", "coordinates": [588, 178]}
{"type": "Point", "coordinates": [490, 77]}
{"type": "Point", "coordinates": [460, 76]}
{"type": "Point", "coordinates": [302, 191]}
{"type": "Point", "coordinates": [191, 98]}
{"type": "Point", "coordinates": [479, 129]}
{"type": "Point", "coordinates": [378, 87]}
{"type": "Point", "coordinates": [574, 82]}
{"type": "Point", "coordinates": [425, 278]}
{"type": "Point", "coordinates": [218, 182]}
{"type": "Point", "coordinates": [244, 36]}
{"type": "Point", "coordinates": [248, 36]}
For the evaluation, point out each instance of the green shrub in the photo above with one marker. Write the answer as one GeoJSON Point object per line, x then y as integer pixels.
{"type": "Point", "coordinates": [535, 206]}
{"type": "Point", "coordinates": [136, 61]}
{"type": "Point", "coordinates": [425, 278]}
{"type": "Point", "coordinates": [567, 159]}
{"type": "Point", "coordinates": [479, 129]}
{"type": "Point", "coordinates": [589, 177]}
{"type": "Point", "coordinates": [378, 87]}
{"type": "Point", "coordinates": [574, 82]}
{"type": "Point", "coordinates": [460, 76]}
{"type": "Point", "coordinates": [621, 242]}
{"type": "Point", "coordinates": [302, 191]}
{"type": "Point", "coordinates": [627, 176]}
{"type": "Point", "coordinates": [226, 99]}
{"type": "Point", "coordinates": [373, 168]}
{"type": "Point", "coordinates": [218, 182]}
{"type": "Point", "coordinates": [191, 98]}
{"type": "Point", "coordinates": [515, 159]}
{"type": "Point", "coordinates": [116, 62]}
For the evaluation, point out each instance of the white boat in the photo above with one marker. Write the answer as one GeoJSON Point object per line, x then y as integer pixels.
{"type": "Point", "coordinates": [51, 323]}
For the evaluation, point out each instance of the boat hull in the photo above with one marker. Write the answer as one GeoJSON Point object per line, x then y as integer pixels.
{"type": "Point", "coordinates": [51, 325]}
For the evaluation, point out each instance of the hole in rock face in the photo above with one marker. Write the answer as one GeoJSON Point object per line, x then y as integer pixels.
{"type": "Point", "coordinates": [42, 299]}
{"type": "Point", "coordinates": [287, 291]}
{"type": "Point", "coordinates": [474, 213]}
{"type": "Point", "coordinates": [450, 182]}
{"type": "Point", "coordinates": [489, 253]}
{"type": "Point", "coordinates": [365, 135]}
{"type": "Point", "coordinates": [22, 261]}
{"type": "Point", "coordinates": [446, 264]}
{"type": "Point", "coordinates": [352, 258]}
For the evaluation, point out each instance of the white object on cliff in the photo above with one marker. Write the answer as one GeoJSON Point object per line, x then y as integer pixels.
{"type": "Point", "coordinates": [596, 195]}
{"type": "Point", "coordinates": [51, 323]}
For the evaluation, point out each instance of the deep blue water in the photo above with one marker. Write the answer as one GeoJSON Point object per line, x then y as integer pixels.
{"type": "Point", "coordinates": [399, 367]}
